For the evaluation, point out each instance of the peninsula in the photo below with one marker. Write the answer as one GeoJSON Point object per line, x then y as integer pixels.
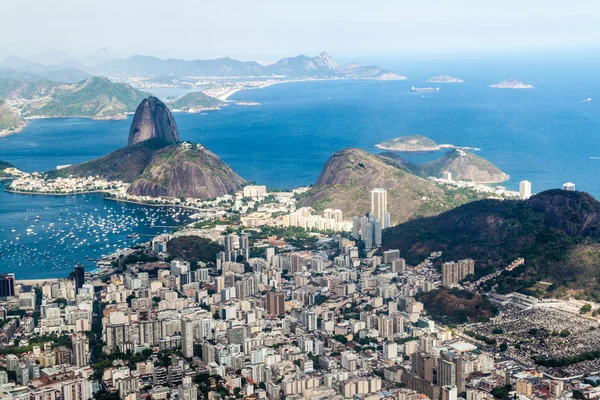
{"type": "Point", "coordinates": [444, 79]}
{"type": "Point", "coordinates": [511, 84]}
{"type": "Point", "coordinates": [10, 120]}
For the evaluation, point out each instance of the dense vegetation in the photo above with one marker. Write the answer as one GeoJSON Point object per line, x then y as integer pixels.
{"type": "Point", "coordinates": [555, 231]}
{"type": "Point", "coordinates": [9, 118]}
{"type": "Point", "coordinates": [565, 361]}
{"type": "Point", "coordinates": [455, 306]}
{"type": "Point", "coordinates": [464, 166]}
{"type": "Point", "coordinates": [194, 249]}
{"type": "Point", "coordinates": [126, 164]}
{"type": "Point", "coordinates": [93, 98]}
{"type": "Point", "coordinates": [409, 143]}
{"type": "Point", "coordinates": [196, 101]}
{"type": "Point", "coordinates": [350, 174]}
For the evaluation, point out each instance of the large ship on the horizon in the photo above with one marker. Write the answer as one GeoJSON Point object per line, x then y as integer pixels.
{"type": "Point", "coordinates": [424, 90]}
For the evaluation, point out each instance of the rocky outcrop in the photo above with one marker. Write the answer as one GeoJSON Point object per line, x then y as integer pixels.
{"type": "Point", "coordinates": [464, 166]}
{"type": "Point", "coordinates": [126, 164]}
{"type": "Point", "coordinates": [157, 165]}
{"type": "Point", "coordinates": [186, 170]}
{"type": "Point", "coordinates": [152, 119]}
{"type": "Point", "coordinates": [350, 174]}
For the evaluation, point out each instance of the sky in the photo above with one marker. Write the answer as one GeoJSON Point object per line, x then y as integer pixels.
{"type": "Point", "coordinates": [266, 30]}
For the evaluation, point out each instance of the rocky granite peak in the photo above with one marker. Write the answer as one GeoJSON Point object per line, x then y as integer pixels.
{"type": "Point", "coordinates": [152, 119]}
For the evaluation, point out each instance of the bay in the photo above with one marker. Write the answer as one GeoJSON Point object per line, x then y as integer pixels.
{"type": "Point", "coordinates": [547, 135]}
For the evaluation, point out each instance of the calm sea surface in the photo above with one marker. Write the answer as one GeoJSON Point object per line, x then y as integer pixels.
{"type": "Point", "coordinates": [548, 135]}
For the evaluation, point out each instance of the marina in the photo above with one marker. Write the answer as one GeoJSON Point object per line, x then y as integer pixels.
{"type": "Point", "coordinates": [53, 233]}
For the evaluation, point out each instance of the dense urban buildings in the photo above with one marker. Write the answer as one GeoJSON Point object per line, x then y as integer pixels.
{"type": "Point", "coordinates": [223, 309]}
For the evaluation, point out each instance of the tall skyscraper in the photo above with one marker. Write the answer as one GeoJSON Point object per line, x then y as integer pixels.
{"type": "Point", "coordinates": [187, 337]}
{"type": "Point", "coordinates": [81, 350]}
{"type": "Point", "coordinates": [356, 228]}
{"type": "Point", "coordinates": [79, 278]}
{"type": "Point", "coordinates": [387, 220]}
{"type": "Point", "coordinates": [378, 203]}
{"type": "Point", "coordinates": [275, 303]}
{"type": "Point", "coordinates": [7, 285]}
{"type": "Point", "coordinates": [525, 190]}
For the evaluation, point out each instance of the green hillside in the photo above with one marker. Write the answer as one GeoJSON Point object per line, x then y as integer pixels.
{"type": "Point", "coordinates": [10, 120]}
{"type": "Point", "coordinates": [557, 232]}
{"type": "Point", "coordinates": [97, 98]}
{"type": "Point", "coordinates": [196, 101]}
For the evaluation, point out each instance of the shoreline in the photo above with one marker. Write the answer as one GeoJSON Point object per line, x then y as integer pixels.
{"type": "Point", "coordinates": [230, 93]}
{"type": "Point", "coordinates": [139, 203]}
{"type": "Point", "coordinates": [52, 194]}
{"type": "Point", "coordinates": [7, 132]}
{"type": "Point", "coordinates": [428, 149]}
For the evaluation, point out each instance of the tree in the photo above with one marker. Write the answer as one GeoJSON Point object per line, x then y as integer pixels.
{"type": "Point", "coordinates": [586, 308]}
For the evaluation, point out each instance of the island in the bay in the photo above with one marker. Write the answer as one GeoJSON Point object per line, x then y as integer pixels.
{"type": "Point", "coordinates": [417, 143]}
{"type": "Point", "coordinates": [409, 143]}
{"type": "Point", "coordinates": [444, 79]}
{"type": "Point", "coordinates": [511, 84]}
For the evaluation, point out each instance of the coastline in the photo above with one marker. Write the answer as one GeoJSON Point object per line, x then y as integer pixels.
{"type": "Point", "coordinates": [139, 203]}
{"type": "Point", "coordinates": [53, 194]}
{"type": "Point", "coordinates": [230, 93]}
{"type": "Point", "coordinates": [427, 149]}
{"type": "Point", "coordinates": [8, 132]}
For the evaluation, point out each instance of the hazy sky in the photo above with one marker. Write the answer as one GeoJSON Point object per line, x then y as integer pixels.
{"type": "Point", "coordinates": [269, 29]}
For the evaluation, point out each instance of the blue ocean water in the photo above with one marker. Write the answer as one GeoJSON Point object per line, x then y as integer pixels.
{"type": "Point", "coordinates": [547, 135]}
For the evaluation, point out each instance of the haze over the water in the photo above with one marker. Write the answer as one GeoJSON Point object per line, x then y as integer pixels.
{"type": "Point", "coordinates": [266, 30]}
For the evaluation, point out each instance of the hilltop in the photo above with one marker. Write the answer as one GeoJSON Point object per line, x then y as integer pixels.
{"type": "Point", "coordinates": [96, 98]}
{"type": "Point", "coordinates": [10, 120]}
{"type": "Point", "coordinates": [152, 119]}
{"type": "Point", "coordinates": [556, 231]}
{"type": "Point", "coordinates": [464, 166]}
{"type": "Point", "coordinates": [157, 164]}
{"type": "Point", "coordinates": [409, 143]}
{"type": "Point", "coordinates": [350, 174]}
{"type": "Point", "coordinates": [195, 102]}
{"type": "Point", "coordinates": [6, 170]}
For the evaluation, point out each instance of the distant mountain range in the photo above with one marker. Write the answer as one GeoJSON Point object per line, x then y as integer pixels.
{"type": "Point", "coordinates": [105, 63]}
{"type": "Point", "coordinates": [96, 97]}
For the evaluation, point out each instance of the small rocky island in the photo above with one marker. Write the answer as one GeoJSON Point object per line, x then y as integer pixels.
{"type": "Point", "coordinates": [444, 79]}
{"type": "Point", "coordinates": [511, 84]}
{"type": "Point", "coordinates": [409, 143]}
{"type": "Point", "coordinates": [196, 102]}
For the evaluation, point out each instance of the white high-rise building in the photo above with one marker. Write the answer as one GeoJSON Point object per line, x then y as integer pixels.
{"type": "Point", "coordinates": [447, 175]}
{"type": "Point", "coordinates": [570, 186]}
{"type": "Point", "coordinates": [81, 350]}
{"type": "Point", "coordinates": [390, 350]}
{"type": "Point", "coordinates": [378, 203]}
{"type": "Point", "coordinates": [525, 190]}
{"type": "Point", "coordinates": [187, 337]}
